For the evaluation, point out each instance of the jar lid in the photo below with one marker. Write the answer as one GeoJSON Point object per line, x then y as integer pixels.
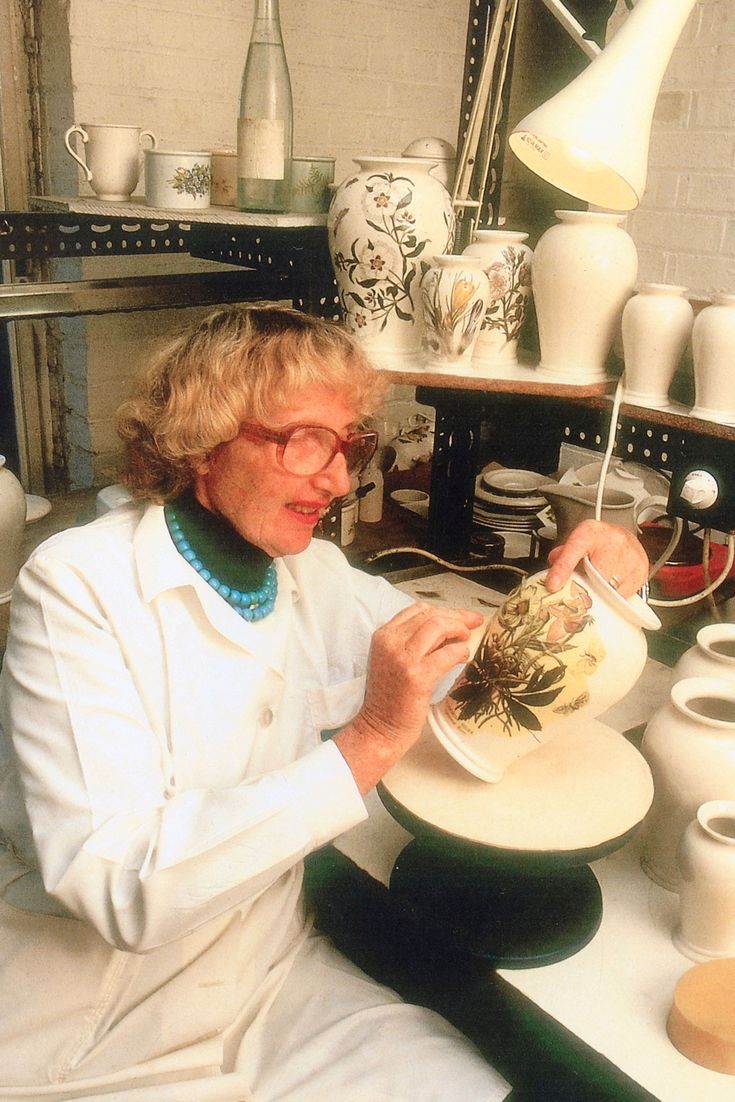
{"type": "Point", "coordinates": [701, 1022]}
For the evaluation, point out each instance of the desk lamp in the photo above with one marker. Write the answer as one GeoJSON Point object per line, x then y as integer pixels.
{"type": "Point", "coordinates": [591, 138]}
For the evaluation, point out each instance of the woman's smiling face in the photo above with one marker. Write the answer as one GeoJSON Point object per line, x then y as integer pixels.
{"type": "Point", "coordinates": [244, 482]}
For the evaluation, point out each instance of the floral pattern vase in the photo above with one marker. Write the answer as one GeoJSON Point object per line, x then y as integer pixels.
{"type": "Point", "coordinates": [385, 225]}
{"type": "Point", "coordinates": [507, 262]}
{"type": "Point", "coordinates": [545, 659]}
{"type": "Point", "coordinates": [455, 294]}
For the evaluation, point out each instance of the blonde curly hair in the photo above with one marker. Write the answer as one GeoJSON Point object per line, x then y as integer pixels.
{"type": "Point", "coordinates": [237, 364]}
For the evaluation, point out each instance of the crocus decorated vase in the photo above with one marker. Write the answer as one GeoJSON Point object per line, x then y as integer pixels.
{"type": "Point", "coordinates": [454, 293]}
{"type": "Point", "coordinates": [385, 225]}
{"type": "Point", "coordinates": [584, 272]}
{"type": "Point", "coordinates": [507, 262]}
{"type": "Point", "coordinates": [706, 860]}
{"type": "Point", "coordinates": [713, 351]}
{"type": "Point", "coordinates": [657, 325]}
{"type": "Point", "coordinates": [544, 661]}
{"type": "Point", "coordinates": [689, 744]}
{"type": "Point", "coordinates": [12, 527]}
{"type": "Point", "coordinates": [713, 654]}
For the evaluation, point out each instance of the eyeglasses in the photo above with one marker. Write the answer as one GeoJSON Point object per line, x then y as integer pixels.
{"type": "Point", "coordinates": [309, 449]}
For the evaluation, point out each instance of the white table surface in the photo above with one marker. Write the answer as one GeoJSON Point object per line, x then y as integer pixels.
{"type": "Point", "coordinates": [615, 993]}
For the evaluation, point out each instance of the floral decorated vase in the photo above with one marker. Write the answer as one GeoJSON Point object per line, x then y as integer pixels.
{"type": "Point", "coordinates": [385, 225]}
{"type": "Point", "coordinates": [544, 661]}
{"type": "Point", "coordinates": [507, 262]}
{"type": "Point", "coordinates": [454, 293]}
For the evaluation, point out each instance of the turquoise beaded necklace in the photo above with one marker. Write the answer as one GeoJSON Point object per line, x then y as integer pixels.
{"type": "Point", "coordinates": [251, 605]}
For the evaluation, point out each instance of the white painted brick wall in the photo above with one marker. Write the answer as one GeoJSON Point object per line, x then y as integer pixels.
{"type": "Point", "coordinates": [685, 226]}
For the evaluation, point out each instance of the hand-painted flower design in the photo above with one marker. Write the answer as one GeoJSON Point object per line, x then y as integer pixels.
{"type": "Point", "coordinates": [510, 283]}
{"type": "Point", "coordinates": [195, 181]}
{"type": "Point", "coordinates": [381, 269]}
{"type": "Point", "coordinates": [452, 311]}
{"type": "Point", "coordinates": [532, 664]}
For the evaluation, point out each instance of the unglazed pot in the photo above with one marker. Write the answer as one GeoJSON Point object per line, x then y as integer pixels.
{"type": "Point", "coordinates": [713, 350]}
{"type": "Point", "coordinates": [689, 744]}
{"type": "Point", "coordinates": [12, 527]}
{"type": "Point", "coordinates": [657, 324]}
{"type": "Point", "coordinates": [584, 272]}
{"type": "Point", "coordinates": [713, 654]}
{"type": "Point", "coordinates": [385, 225]}
{"type": "Point", "coordinates": [454, 294]}
{"type": "Point", "coordinates": [706, 861]}
{"type": "Point", "coordinates": [544, 661]}
{"type": "Point", "coordinates": [507, 262]}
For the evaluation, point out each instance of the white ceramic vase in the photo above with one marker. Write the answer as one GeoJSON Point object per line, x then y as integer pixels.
{"type": "Point", "coordinates": [656, 327]}
{"type": "Point", "coordinates": [454, 295]}
{"type": "Point", "coordinates": [706, 860]}
{"type": "Point", "coordinates": [713, 350]}
{"type": "Point", "coordinates": [713, 654]}
{"type": "Point", "coordinates": [689, 743]}
{"type": "Point", "coordinates": [584, 272]}
{"type": "Point", "coordinates": [507, 262]}
{"type": "Point", "coordinates": [544, 660]}
{"type": "Point", "coordinates": [12, 527]}
{"type": "Point", "coordinates": [385, 225]}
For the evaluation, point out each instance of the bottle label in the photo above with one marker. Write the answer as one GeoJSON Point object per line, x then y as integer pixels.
{"type": "Point", "coordinates": [261, 149]}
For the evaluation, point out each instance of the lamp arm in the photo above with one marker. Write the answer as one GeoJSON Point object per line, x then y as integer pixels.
{"type": "Point", "coordinates": [573, 27]}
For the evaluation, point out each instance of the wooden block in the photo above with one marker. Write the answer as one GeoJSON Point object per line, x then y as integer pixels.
{"type": "Point", "coordinates": [701, 1022]}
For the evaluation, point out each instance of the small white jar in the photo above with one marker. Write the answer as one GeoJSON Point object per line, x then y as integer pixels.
{"type": "Point", "coordinates": [706, 861]}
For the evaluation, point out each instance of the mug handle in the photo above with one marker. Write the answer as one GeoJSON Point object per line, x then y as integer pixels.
{"type": "Point", "coordinates": [85, 138]}
{"type": "Point", "coordinates": [151, 135]}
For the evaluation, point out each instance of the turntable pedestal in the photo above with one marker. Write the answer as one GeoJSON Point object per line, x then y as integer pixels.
{"type": "Point", "coordinates": [499, 871]}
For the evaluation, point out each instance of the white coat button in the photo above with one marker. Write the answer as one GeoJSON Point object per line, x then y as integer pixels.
{"type": "Point", "coordinates": [266, 717]}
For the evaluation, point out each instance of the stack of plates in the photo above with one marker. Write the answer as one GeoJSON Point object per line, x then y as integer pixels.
{"type": "Point", "coordinates": [509, 500]}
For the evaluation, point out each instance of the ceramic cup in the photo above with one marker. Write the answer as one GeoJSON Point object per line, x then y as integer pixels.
{"type": "Point", "coordinates": [224, 178]}
{"type": "Point", "coordinates": [111, 157]}
{"type": "Point", "coordinates": [310, 180]}
{"type": "Point", "coordinates": [178, 179]}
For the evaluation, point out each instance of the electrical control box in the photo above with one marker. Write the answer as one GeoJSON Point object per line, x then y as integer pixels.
{"type": "Point", "coordinates": [703, 484]}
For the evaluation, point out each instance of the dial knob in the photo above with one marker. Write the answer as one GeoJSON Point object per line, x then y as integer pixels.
{"type": "Point", "coordinates": [700, 489]}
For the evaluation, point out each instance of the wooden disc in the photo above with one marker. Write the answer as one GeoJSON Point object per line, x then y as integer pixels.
{"type": "Point", "coordinates": [701, 1022]}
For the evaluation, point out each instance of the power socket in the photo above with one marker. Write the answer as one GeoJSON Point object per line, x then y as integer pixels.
{"type": "Point", "coordinates": [703, 483]}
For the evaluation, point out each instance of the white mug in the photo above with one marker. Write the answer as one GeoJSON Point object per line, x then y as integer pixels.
{"type": "Point", "coordinates": [111, 161]}
{"type": "Point", "coordinates": [178, 179]}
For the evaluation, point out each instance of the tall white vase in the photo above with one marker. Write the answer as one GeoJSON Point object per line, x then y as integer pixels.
{"type": "Point", "coordinates": [454, 293]}
{"type": "Point", "coordinates": [386, 223]}
{"type": "Point", "coordinates": [657, 325]}
{"type": "Point", "coordinates": [706, 860]}
{"type": "Point", "coordinates": [12, 526]}
{"type": "Point", "coordinates": [689, 744]}
{"type": "Point", "coordinates": [713, 348]}
{"type": "Point", "coordinates": [584, 272]}
{"type": "Point", "coordinates": [507, 262]}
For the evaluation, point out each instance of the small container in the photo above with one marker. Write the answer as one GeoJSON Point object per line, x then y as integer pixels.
{"type": "Point", "coordinates": [178, 179]}
{"type": "Point", "coordinates": [348, 520]}
{"type": "Point", "coordinates": [310, 184]}
{"type": "Point", "coordinates": [224, 178]}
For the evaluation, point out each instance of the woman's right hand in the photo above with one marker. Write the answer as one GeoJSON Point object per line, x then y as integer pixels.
{"type": "Point", "coordinates": [408, 655]}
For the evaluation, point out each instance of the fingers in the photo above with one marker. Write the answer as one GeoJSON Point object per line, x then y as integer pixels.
{"type": "Point", "coordinates": [613, 551]}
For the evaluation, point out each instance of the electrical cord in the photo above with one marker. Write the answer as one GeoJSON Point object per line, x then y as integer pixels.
{"type": "Point", "coordinates": [374, 555]}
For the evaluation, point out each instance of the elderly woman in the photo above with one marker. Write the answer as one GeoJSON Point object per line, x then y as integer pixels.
{"type": "Point", "coordinates": [169, 673]}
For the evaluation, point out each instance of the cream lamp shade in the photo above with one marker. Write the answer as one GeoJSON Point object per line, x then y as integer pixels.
{"type": "Point", "coordinates": [591, 139]}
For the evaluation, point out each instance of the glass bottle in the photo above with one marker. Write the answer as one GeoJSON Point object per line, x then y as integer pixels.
{"type": "Point", "coordinates": [265, 126]}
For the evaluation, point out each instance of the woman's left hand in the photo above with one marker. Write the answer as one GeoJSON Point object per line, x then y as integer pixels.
{"type": "Point", "coordinates": [613, 551]}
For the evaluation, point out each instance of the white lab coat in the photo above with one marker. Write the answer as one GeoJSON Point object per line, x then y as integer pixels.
{"type": "Point", "coordinates": [162, 776]}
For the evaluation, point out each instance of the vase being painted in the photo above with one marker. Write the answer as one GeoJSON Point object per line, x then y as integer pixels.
{"type": "Point", "coordinates": [507, 262]}
{"type": "Point", "coordinates": [386, 223]}
{"type": "Point", "coordinates": [689, 744]}
{"type": "Point", "coordinates": [706, 860]}
{"type": "Point", "coordinates": [713, 349]}
{"type": "Point", "coordinates": [657, 324]}
{"type": "Point", "coordinates": [584, 272]}
{"type": "Point", "coordinates": [545, 661]}
{"type": "Point", "coordinates": [454, 294]}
